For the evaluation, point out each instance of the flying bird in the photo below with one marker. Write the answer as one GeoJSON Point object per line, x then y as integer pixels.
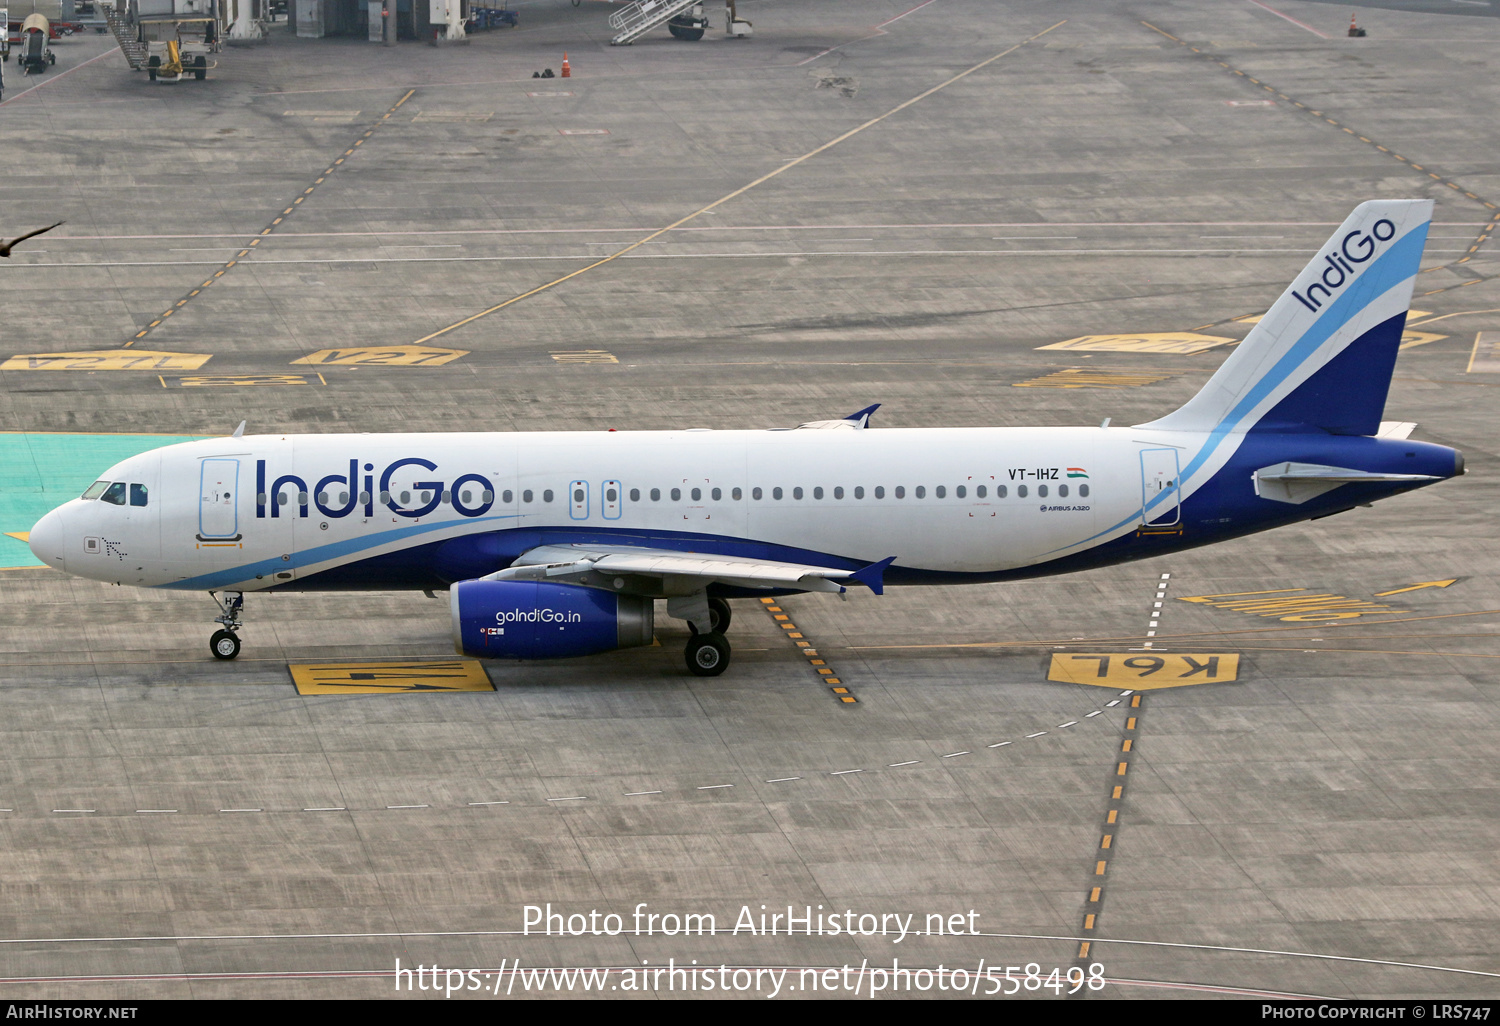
{"type": "Point", "coordinates": [5, 247]}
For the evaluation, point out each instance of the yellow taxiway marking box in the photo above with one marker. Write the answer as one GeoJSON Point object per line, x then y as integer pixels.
{"type": "Point", "coordinates": [378, 678]}
{"type": "Point", "coordinates": [383, 356]}
{"type": "Point", "coordinates": [1182, 343]}
{"type": "Point", "coordinates": [1144, 671]}
{"type": "Point", "coordinates": [108, 359]}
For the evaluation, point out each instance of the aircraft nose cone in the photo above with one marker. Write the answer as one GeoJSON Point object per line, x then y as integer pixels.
{"type": "Point", "coordinates": [46, 539]}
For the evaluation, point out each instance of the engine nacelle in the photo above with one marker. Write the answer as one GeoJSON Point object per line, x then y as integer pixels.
{"type": "Point", "coordinates": [537, 620]}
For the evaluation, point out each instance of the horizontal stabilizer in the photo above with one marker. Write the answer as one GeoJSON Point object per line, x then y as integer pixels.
{"type": "Point", "coordinates": [1298, 482]}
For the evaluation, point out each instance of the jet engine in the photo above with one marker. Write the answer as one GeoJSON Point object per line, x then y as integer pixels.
{"type": "Point", "coordinates": [538, 620]}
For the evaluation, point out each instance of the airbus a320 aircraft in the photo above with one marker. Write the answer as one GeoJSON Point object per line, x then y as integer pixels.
{"type": "Point", "coordinates": [555, 544]}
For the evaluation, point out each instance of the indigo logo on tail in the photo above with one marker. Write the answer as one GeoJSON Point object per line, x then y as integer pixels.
{"type": "Point", "coordinates": [1356, 248]}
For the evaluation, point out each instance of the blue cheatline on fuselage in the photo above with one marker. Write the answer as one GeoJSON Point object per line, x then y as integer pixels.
{"type": "Point", "coordinates": [42, 470]}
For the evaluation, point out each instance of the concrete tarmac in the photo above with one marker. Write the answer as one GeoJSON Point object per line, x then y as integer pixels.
{"type": "Point", "coordinates": [1323, 824]}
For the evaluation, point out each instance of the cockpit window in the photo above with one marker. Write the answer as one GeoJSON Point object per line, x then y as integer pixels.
{"type": "Point", "coordinates": [115, 493]}
{"type": "Point", "coordinates": [137, 495]}
{"type": "Point", "coordinates": [96, 489]}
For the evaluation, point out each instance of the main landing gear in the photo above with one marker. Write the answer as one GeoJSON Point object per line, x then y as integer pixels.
{"type": "Point", "coordinates": [707, 653]}
{"type": "Point", "coordinates": [225, 642]}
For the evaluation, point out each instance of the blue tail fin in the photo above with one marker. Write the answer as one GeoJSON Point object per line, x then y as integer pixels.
{"type": "Point", "coordinates": [1321, 359]}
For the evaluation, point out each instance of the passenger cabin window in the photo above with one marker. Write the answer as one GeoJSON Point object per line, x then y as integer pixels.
{"type": "Point", "coordinates": [755, 493]}
{"type": "Point", "coordinates": [656, 495]}
{"type": "Point", "coordinates": [901, 491]}
{"type": "Point", "coordinates": [676, 494]}
{"type": "Point", "coordinates": [115, 493]}
{"type": "Point", "coordinates": [717, 494]}
{"type": "Point", "coordinates": [838, 491]}
{"type": "Point", "coordinates": [95, 490]}
{"type": "Point", "coordinates": [547, 495]}
{"type": "Point", "coordinates": [818, 492]}
{"type": "Point", "coordinates": [526, 495]}
{"type": "Point", "coordinates": [1041, 490]}
{"type": "Point", "coordinates": [797, 492]}
{"type": "Point", "coordinates": [1083, 490]}
{"type": "Point", "coordinates": [979, 491]}
{"type": "Point", "coordinates": [697, 494]}
{"type": "Point", "coordinates": [1021, 491]}
{"type": "Point", "coordinates": [137, 495]}
{"type": "Point", "coordinates": [859, 492]}
{"type": "Point", "coordinates": [921, 491]}
{"type": "Point", "coordinates": [960, 491]}
{"type": "Point", "coordinates": [1062, 490]}
{"type": "Point", "coordinates": [635, 495]}
{"type": "Point", "coordinates": [737, 495]}
{"type": "Point", "coordinates": [999, 491]}
{"type": "Point", "coordinates": [776, 492]}
{"type": "Point", "coordinates": [880, 491]}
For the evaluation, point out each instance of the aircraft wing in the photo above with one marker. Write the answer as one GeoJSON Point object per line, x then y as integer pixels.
{"type": "Point", "coordinates": [665, 572]}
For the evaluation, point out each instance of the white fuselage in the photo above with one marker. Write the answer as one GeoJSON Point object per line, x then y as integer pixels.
{"type": "Point", "coordinates": [229, 513]}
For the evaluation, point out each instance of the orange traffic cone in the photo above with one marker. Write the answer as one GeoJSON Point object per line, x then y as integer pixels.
{"type": "Point", "coordinates": [567, 69]}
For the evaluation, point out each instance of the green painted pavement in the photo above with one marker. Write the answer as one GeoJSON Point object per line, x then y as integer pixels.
{"type": "Point", "coordinates": [39, 472]}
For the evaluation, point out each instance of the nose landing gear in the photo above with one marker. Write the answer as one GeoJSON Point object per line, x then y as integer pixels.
{"type": "Point", "coordinates": [225, 642]}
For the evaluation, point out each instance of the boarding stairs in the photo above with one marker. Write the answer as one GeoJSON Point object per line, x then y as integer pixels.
{"type": "Point", "coordinates": [637, 19]}
{"type": "Point", "coordinates": [133, 49]}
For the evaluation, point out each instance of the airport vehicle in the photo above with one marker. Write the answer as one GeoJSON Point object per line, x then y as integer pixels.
{"type": "Point", "coordinates": [34, 55]}
{"type": "Point", "coordinates": [557, 544]}
{"type": "Point", "coordinates": [178, 46]}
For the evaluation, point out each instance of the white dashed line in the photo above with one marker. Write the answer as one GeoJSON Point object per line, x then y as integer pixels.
{"type": "Point", "coordinates": [241, 810]}
{"type": "Point", "coordinates": [782, 780]}
{"type": "Point", "coordinates": [339, 809]}
{"type": "Point", "coordinates": [713, 787]}
{"type": "Point", "coordinates": [408, 806]}
{"type": "Point", "coordinates": [912, 762]}
{"type": "Point", "coordinates": [1111, 705]}
{"type": "Point", "coordinates": [1037, 734]}
{"type": "Point", "coordinates": [1096, 712]}
{"type": "Point", "coordinates": [144, 811]}
{"type": "Point", "coordinates": [72, 810]}
{"type": "Point", "coordinates": [840, 773]}
{"type": "Point", "coordinates": [1000, 744]}
{"type": "Point", "coordinates": [955, 755]}
{"type": "Point", "coordinates": [1070, 723]}
{"type": "Point", "coordinates": [571, 798]}
{"type": "Point", "coordinates": [636, 794]}
{"type": "Point", "coordinates": [489, 803]}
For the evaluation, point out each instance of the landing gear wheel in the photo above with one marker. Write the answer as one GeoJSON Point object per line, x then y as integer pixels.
{"type": "Point", "coordinates": [200, 68]}
{"type": "Point", "coordinates": [686, 29]}
{"type": "Point", "coordinates": [707, 655]}
{"type": "Point", "coordinates": [224, 644]}
{"type": "Point", "coordinates": [152, 63]}
{"type": "Point", "coordinates": [719, 615]}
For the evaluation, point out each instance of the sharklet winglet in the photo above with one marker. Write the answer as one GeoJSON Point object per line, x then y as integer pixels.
{"type": "Point", "coordinates": [873, 576]}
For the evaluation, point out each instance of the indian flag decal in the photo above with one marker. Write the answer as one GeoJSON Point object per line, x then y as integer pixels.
{"type": "Point", "coordinates": [1077, 472]}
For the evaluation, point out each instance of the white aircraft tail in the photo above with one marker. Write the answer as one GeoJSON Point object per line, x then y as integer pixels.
{"type": "Point", "coordinates": [1321, 359]}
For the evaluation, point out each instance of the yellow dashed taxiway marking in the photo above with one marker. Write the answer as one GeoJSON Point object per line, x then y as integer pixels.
{"type": "Point", "coordinates": [377, 678]}
{"type": "Point", "coordinates": [1144, 672]}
